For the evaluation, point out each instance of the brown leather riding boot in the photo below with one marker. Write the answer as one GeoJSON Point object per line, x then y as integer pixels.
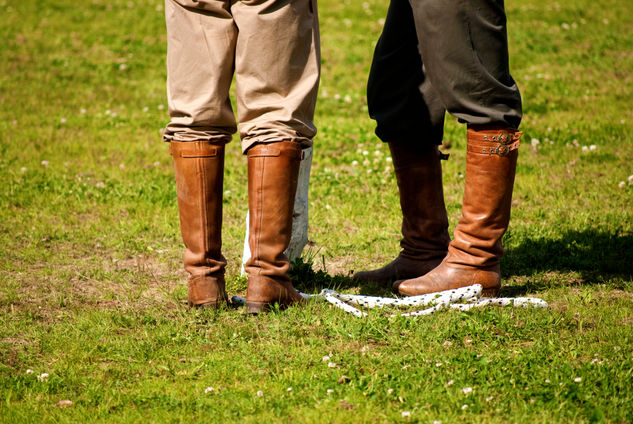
{"type": "Point", "coordinates": [199, 170]}
{"type": "Point", "coordinates": [272, 182]}
{"type": "Point", "coordinates": [424, 222]}
{"type": "Point", "coordinates": [473, 255]}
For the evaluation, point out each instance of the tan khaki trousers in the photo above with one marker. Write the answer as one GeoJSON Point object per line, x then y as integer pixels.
{"type": "Point", "coordinates": [272, 47]}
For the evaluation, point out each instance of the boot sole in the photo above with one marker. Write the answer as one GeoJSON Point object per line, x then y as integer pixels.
{"type": "Point", "coordinates": [260, 307]}
{"type": "Point", "coordinates": [208, 305]}
{"type": "Point", "coordinates": [255, 308]}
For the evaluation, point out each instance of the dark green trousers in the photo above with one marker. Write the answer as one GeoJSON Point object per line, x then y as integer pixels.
{"type": "Point", "coordinates": [436, 56]}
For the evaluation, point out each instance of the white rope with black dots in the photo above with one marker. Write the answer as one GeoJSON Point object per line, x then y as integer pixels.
{"type": "Point", "coordinates": [463, 299]}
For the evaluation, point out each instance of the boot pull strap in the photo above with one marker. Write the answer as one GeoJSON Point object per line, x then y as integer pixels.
{"type": "Point", "coordinates": [202, 151]}
{"type": "Point", "coordinates": [499, 143]}
{"type": "Point", "coordinates": [269, 151]}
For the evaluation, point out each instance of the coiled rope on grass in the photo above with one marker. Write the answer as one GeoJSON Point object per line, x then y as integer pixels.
{"type": "Point", "coordinates": [463, 299]}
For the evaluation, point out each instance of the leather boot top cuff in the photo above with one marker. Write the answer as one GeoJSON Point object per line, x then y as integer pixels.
{"type": "Point", "coordinates": [195, 149]}
{"type": "Point", "coordinates": [286, 148]}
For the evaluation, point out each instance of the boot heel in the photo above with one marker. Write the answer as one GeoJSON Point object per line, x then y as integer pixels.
{"type": "Point", "coordinates": [257, 307]}
{"type": "Point", "coordinates": [494, 292]}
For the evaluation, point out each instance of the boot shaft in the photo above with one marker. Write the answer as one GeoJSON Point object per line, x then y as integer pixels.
{"type": "Point", "coordinates": [424, 221]}
{"type": "Point", "coordinates": [491, 160]}
{"type": "Point", "coordinates": [272, 183]}
{"type": "Point", "coordinates": [199, 173]}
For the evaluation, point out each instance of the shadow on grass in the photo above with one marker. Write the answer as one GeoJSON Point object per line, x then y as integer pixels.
{"type": "Point", "coordinates": [307, 280]}
{"type": "Point", "coordinates": [598, 257]}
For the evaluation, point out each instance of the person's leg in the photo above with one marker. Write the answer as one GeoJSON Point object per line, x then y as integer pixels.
{"type": "Point", "coordinates": [277, 69]}
{"type": "Point", "coordinates": [410, 118]}
{"type": "Point", "coordinates": [201, 41]}
{"type": "Point", "coordinates": [464, 47]}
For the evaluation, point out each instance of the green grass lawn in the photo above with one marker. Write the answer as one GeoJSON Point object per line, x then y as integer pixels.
{"type": "Point", "coordinates": [91, 280]}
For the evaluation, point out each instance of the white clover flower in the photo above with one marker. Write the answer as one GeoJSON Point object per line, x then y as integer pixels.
{"type": "Point", "coordinates": [30, 371]}
{"type": "Point", "coordinates": [161, 107]}
{"type": "Point", "coordinates": [337, 96]}
{"type": "Point", "coordinates": [260, 393]}
{"type": "Point", "coordinates": [577, 379]}
{"type": "Point", "coordinates": [465, 406]}
{"type": "Point", "coordinates": [354, 162]}
{"type": "Point", "coordinates": [365, 152]}
{"type": "Point", "coordinates": [389, 391]}
{"type": "Point", "coordinates": [389, 159]}
{"type": "Point", "coordinates": [621, 184]}
{"type": "Point", "coordinates": [44, 163]}
{"type": "Point", "coordinates": [329, 391]}
{"type": "Point", "coordinates": [122, 166]}
{"type": "Point", "coordinates": [489, 398]}
{"type": "Point", "coordinates": [467, 390]}
{"type": "Point", "coordinates": [209, 389]}
{"type": "Point", "coordinates": [122, 67]}
{"type": "Point", "coordinates": [585, 148]}
{"type": "Point", "coordinates": [406, 414]}
{"type": "Point", "coordinates": [450, 382]}
{"type": "Point", "coordinates": [157, 163]}
{"type": "Point", "coordinates": [592, 147]}
{"type": "Point", "coordinates": [64, 403]}
{"type": "Point", "coordinates": [42, 377]}
{"type": "Point", "coordinates": [438, 364]}
{"type": "Point", "coordinates": [145, 109]}
{"type": "Point", "coordinates": [23, 169]}
{"type": "Point", "coordinates": [347, 99]}
{"type": "Point", "coordinates": [331, 365]}
{"type": "Point", "coordinates": [289, 389]}
{"type": "Point", "coordinates": [630, 179]}
{"type": "Point", "coordinates": [535, 142]}
{"type": "Point", "coordinates": [63, 120]}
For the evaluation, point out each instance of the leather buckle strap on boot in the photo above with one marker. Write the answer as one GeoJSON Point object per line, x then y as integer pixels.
{"type": "Point", "coordinates": [493, 142]}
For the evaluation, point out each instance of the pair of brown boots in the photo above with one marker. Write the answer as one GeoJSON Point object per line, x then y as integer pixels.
{"type": "Point", "coordinates": [272, 182]}
{"type": "Point", "coordinates": [429, 261]}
